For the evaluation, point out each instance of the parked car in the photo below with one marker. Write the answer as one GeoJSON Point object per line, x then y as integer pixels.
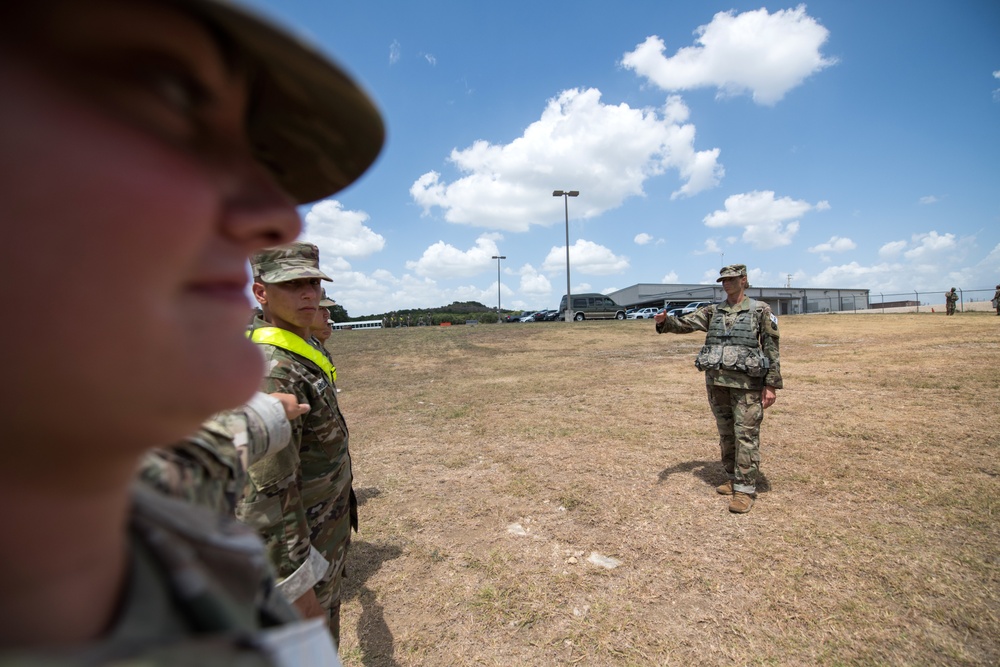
{"type": "Point", "coordinates": [642, 314]}
{"type": "Point", "coordinates": [690, 308]}
{"type": "Point", "coordinates": [593, 307]}
{"type": "Point", "coordinates": [693, 306]}
{"type": "Point", "coordinates": [552, 316]}
{"type": "Point", "coordinates": [527, 317]}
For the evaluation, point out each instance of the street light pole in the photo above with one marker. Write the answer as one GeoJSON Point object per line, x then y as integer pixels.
{"type": "Point", "coordinates": [498, 258]}
{"type": "Point", "coordinates": [566, 194]}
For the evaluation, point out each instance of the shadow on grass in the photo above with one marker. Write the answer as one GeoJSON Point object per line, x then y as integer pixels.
{"type": "Point", "coordinates": [374, 636]}
{"type": "Point", "coordinates": [367, 493]}
{"type": "Point", "coordinates": [710, 472]}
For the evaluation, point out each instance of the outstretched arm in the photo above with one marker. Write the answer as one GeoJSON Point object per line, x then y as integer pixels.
{"type": "Point", "coordinates": [696, 321]}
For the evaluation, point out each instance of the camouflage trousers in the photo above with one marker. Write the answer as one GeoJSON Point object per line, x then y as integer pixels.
{"type": "Point", "coordinates": [738, 414]}
{"type": "Point", "coordinates": [333, 538]}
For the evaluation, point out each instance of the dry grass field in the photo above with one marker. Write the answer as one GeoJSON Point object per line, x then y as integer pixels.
{"type": "Point", "coordinates": [492, 462]}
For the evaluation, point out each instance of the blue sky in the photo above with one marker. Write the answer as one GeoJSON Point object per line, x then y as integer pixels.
{"type": "Point", "coordinates": [843, 143]}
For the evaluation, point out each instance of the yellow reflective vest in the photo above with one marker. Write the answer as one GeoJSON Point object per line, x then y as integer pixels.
{"type": "Point", "coordinates": [286, 340]}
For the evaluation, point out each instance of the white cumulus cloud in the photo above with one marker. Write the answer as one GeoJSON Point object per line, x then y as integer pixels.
{"type": "Point", "coordinates": [854, 275]}
{"type": "Point", "coordinates": [929, 199]}
{"type": "Point", "coordinates": [711, 247]}
{"type": "Point", "coordinates": [767, 222]}
{"type": "Point", "coordinates": [605, 151]}
{"type": "Point", "coordinates": [930, 243]}
{"type": "Point", "coordinates": [340, 232]}
{"type": "Point", "coordinates": [835, 244]}
{"type": "Point", "coordinates": [585, 257]}
{"type": "Point", "coordinates": [927, 262]}
{"type": "Point", "coordinates": [533, 283]}
{"type": "Point", "coordinates": [892, 249]}
{"type": "Point", "coordinates": [443, 260]}
{"type": "Point", "coordinates": [642, 238]}
{"type": "Point", "coordinates": [763, 54]}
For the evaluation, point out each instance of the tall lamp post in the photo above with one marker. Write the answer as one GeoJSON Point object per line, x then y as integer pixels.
{"type": "Point", "coordinates": [566, 194]}
{"type": "Point", "coordinates": [498, 258]}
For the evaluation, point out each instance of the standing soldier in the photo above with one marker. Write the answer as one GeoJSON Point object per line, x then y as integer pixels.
{"type": "Point", "coordinates": [996, 300]}
{"type": "Point", "coordinates": [301, 499]}
{"type": "Point", "coordinates": [321, 329]}
{"type": "Point", "coordinates": [950, 299]}
{"type": "Point", "coordinates": [742, 372]}
{"type": "Point", "coordinates": [149, 148]}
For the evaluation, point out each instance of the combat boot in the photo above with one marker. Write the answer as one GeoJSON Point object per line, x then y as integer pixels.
{"type": "Point", "coordinates": [741, 503]}
{"type": "Point", "coordinates": [725, 489]}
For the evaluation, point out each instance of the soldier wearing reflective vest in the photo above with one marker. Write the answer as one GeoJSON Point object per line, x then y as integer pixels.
{"type": "Point", "coordinates": [742, 371]}
{"type": "Point", "coordinates": [301, 499]}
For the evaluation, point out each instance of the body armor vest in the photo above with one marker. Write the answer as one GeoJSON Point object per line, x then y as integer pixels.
{"type": "Point", "coordinates": [736, 348]}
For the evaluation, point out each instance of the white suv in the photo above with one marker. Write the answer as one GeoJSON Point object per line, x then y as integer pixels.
{"type": "Point", "coordinates": [643, 314]}
{"type": "Point", "coordinates": [690, 308]}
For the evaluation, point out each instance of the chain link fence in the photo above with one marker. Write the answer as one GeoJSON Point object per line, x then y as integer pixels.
{"type": "Point", "coordinates": [795, 301]}
{"type": "Point", "coordinates": [928, 302]}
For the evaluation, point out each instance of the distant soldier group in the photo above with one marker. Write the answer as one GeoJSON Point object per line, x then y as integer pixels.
{"type": "Point", "coordinates": [396, 320]}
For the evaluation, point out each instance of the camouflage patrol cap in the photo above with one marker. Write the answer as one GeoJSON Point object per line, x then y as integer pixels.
{"type": "Point", "coordinates": [287, 262]}
{"type": "Point", "coordinates": [326, 301]}
{"type": "Point", "coordinates": [312, 126]}
{"type": "Point", "coordinates": [732, 271]}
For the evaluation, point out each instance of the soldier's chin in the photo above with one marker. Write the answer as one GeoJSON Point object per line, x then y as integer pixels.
{"type": "Point", "coordinates": [226, 379]}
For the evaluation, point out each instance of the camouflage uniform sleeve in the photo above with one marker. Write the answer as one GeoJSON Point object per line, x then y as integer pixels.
{"type": "Point", "coordinates": [769, 345]}
{"type": "Point", "coordinates": [260, 428]}
{"type": "Point", "coordinates": [272, 503]}
{"type": "Point", "coordinates": [696, 321]}
{"type": "Point", "coordinates": [203, 469]}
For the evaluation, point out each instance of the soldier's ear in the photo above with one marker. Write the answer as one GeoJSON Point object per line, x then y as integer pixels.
{"type": "Point", "coordinates": [260, 292]}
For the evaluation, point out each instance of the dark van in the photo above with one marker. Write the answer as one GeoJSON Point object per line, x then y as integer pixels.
{"type": "Point", "coordinates": [592, 307]}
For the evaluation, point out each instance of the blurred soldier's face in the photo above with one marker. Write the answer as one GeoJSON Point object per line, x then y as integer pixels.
{"type": "Point", "coordinates": [292, 304]}
{"type": "Point", "coordinates": [733, 286]}
{"type": "Point", "coordinates": [321, 324]}
{"type": "Point", "coordinates": [129, 189]}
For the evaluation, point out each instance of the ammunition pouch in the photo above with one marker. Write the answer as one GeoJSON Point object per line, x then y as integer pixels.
{"type": "Point", "coordinates": [739, 358]}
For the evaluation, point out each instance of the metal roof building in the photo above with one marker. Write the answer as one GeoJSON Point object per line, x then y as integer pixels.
{"type": "Point", "coordinates": [783, 300]}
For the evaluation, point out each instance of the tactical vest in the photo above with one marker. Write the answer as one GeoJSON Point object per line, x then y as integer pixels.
{"type": "Point", "coordinates": [737, 348]}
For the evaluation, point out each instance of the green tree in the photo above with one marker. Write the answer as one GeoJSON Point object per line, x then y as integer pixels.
{"type": "Point", "coordinates": [338, 314]}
